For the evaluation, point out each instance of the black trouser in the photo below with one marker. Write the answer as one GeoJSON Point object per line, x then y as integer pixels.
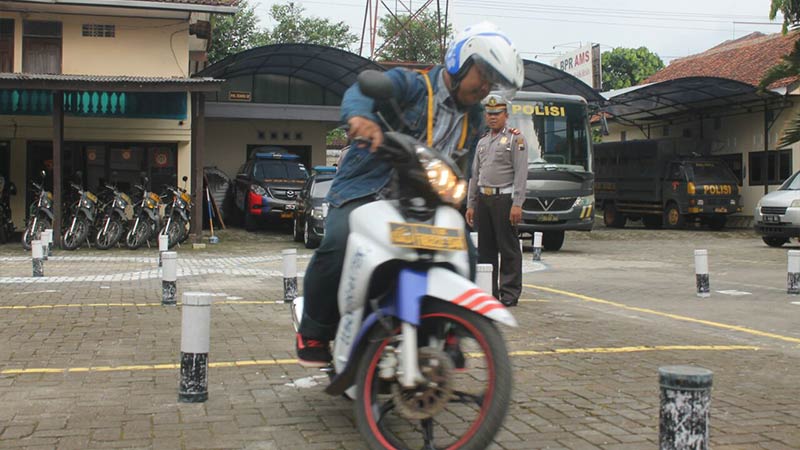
{"type": "Point", "coordinates": [321, 282]}
{"type": "Point", "coordinates": [496, 234]}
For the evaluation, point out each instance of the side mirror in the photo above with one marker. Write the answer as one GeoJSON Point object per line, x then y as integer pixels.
{"type": "Point", "coordinates": [375, 84]}
{"type": "Point", "coordinates": [185, 178]}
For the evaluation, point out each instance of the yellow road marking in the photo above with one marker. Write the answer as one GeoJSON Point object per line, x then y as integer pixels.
{"type": "Point", "coordinates": [275, 362]}
{"type": "Point", "coordinates": [534, 300]}
{"type": "Point", "coordinates": [668, 315]}
{"type": "Point", "coordinates": [95, 305]}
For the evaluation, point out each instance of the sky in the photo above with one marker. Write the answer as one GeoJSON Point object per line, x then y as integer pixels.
{"type": "Point", "coordinates": [543, 29]}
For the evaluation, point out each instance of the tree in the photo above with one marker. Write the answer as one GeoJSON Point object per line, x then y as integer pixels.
{"type": "Point", "coordinates": [418, 42]}
{"type": "Point", "coordinates": [790, 64]}
{"type": "Point", "coordinates": [625, 67]}
{"type": "Point", "coordinates": [236, 33]}
{"type": "Point", "coordinates": [292, 27]}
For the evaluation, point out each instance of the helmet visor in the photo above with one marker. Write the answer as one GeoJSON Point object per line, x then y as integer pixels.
{"type": "Point", "coordinates": [497, 82]}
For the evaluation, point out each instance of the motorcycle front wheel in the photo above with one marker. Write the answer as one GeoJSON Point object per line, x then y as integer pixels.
{"type": "Point", "coordinates": [138, 234]}
{"type": "Point", "coordinates": [34, 231]}
{"type": "Point", "coordinates": [108, 236]}
{"type": "Point", "coordinates": [174, 232]}
{"type": "Point", "coordinates": [75, 236]}
{"type": "Point", "coordinates": [467, 391]}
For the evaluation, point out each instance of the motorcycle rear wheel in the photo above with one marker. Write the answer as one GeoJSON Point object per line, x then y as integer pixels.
{"type": "Point", "coordinates": [110, 237]}
{"type": "Point", "coordinates": [479, 393]}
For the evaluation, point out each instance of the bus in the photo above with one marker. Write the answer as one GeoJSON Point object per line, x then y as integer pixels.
{"type": "Point", "coordinates": [560, 187]}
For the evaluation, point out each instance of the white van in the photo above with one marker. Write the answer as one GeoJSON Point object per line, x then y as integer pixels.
{"type": "Point", "coordinates": [777, 214]}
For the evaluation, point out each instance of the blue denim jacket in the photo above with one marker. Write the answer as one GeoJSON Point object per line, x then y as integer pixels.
{"type": "Point", "coordinates": [362, 173]}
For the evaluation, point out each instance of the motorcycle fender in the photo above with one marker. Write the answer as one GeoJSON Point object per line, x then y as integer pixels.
{"type": "Point", "coordinates": [184, 215]}
{"type": "Point", "coordinates": [452, 287]}
{"type": "Point", "coordinates": [89, 213]}
{"type": "Point", "coordinates": [48, 213]}
{"type": "Point", "coordinates": [121, 215]}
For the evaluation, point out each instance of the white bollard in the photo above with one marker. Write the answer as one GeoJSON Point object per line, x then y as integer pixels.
{"type": "Point", "coordinates": [483, 277]}
{"type": "Point", "coordinates": [793, 284]}
{"type": "Point", "coordinates": [289, 274]}
{"type": "Point", "coordinates": [195, 342]}
{"type": "Point", "coordinates": [47, 242]}
{"type": "Point", "coordinates": [169, 278]}
{"type": "Point", "coordinates": [37, 255]}
{"type": "Point", "coordinates": [163, 246]}
{"type": "Point", "coordinates": [537, 246]}
{"type": "Point", "coordinates": [522, 245]}
{"type": "Point", "coordinates": [701, 273]}
{"type": "Point", "coordinates": [474, 236]}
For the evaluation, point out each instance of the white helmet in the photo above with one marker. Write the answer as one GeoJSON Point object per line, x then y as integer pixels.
{"type": "Point", "coordinates": [483, 44]}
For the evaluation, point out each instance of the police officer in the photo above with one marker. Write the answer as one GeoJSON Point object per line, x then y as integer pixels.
{"type": "Point", "coordinates": [496, 193]}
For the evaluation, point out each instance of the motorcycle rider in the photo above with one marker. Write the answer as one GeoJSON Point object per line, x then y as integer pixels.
{"type": "Point", "coordinates": [479, 60]}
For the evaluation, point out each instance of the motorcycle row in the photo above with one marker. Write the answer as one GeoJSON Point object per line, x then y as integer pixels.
{"type": "Point", "coordinates": [113, 218]}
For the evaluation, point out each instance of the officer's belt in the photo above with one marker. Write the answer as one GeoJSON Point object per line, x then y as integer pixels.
{"type": "Point", "coordinates": [495, 191]}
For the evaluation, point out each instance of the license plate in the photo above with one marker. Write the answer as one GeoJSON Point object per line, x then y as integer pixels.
{"type": "Point", "coordinates": [286, 215]}
{"type": "Point", "coordinates": [721, 210]}
{"type": "Point", "coordinates": [546, 218]}
{"type": "Point", "coordinates": [427, 237]}
{"type": "Point", "coordinates": [772, 219]}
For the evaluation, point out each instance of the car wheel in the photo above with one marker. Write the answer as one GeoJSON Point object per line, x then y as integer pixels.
{"type": "Point", "coordinates": [553, 240]}
{"type": "Point", "coordinates": [774, 241]}
{"type": "Point", "coordinates": [308, 239]}
{"type": "Point", "coordinates": [613, 218]}
{"type": "Point", "coordinates": [297, 234]}
{"type": "Point", "coordinates": [672, 216]}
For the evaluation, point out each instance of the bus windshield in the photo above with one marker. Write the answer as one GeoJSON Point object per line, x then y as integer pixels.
{"type": "Point", "coordinates": [557, 134]}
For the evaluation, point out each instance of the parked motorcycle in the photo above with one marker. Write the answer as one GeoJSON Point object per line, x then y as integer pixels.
{"type": "Point", "coordinates": [114, 223]}
{"type": "Point", "coordinates": [7, 189]}
{"type": "Point", "coordinates": [81, 220]}
{"type": "Point", "coordinates": [178, 215]}
{"type": "Point", "coordinates": [417, 344]}
{"type": "Point", "coordinates": [40, 214]}
{"type": "Point", "coordinates": [147, 221]}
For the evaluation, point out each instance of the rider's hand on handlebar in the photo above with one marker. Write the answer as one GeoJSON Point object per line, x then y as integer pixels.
{"type": "Point", "coordinates": [363, 129]}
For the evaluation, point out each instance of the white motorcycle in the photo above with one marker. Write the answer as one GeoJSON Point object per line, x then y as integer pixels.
{"type": "Point", "coordinates": [417, 346]}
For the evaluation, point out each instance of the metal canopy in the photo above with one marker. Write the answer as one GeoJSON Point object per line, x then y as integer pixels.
{"type": "Point", "coordinates": [683, 96]}
{"type": "Point", "coordinates": [541, 77]}
{"type": "Point", "coordinates": [331, 68]}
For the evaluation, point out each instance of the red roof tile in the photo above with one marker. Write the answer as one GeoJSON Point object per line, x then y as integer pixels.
{"type": "Point", "coordinates": [746, 59]}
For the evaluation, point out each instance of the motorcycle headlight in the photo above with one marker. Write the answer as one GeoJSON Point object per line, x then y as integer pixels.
{"type": "Point", "coordinates": [795, 203]}
{"type": "Point", "coordinates": [258, 190]}
{"type": "Point", "coordinates": [317, 213]}
{"type": "Point", "coordinates": [584, 201]}
{"type": "Point", "coordinates": [120, 203]}
{"type": "Point", "coordinates": [442, 177]}
{"type": "Point", "coordinates": [86, 204]}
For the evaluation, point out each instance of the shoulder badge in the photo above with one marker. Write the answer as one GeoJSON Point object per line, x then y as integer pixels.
{"type": "Point", "coordinates": [514, 131]}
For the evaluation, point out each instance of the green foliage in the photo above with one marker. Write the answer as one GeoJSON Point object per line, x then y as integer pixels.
{"type": "Point", "coordinates": [336, 137]}
{"type": "Point", "coordinates": [293, 27]}
{"type": "Point", "coordinates": [419, 42]}
{"type": "Point", "coordinates": [625, 67]}
{"type": "Point", "coordinates": [790, 64]}
{"type": "Point", "coordinates": [236, 33]}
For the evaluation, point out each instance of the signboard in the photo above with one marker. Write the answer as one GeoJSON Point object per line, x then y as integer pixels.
{"type": "Point", "coordinates": [583, 64]}
{"type": "Point", "coordinates": [239, 96]}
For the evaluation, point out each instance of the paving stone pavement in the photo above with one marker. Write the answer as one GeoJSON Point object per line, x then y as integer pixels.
{"type": "Point", "coordinates": [598, 319]}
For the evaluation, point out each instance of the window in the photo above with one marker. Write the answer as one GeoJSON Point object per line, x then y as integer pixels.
{"type": "Point", "coordinates": [41, 47]}
{"type": "Point", "coordinates": [97, 30]}
{"type": "Point", "coordinates": [273, 169]}
{"type": "Point", "coordinates": [6, 45]}
{"type": "Point", "coordinates": [779, 166]}
{"type": "Point", "coordinates": [734, 162]}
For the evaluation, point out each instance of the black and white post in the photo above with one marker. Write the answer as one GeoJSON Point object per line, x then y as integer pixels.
{"type": "Point", "coordinates": [483, 277]}
{"type": "Point", "coordinates": [169, 278]}
{"type": "Point", "coordinates": [701, 273]}
{"type": "Point", "coordinates": [793, 282]}
{"type": "Point", "coordinates": [47, 243]}
{"type": "Point", "coordinates": [537, 246]}
{"type": "Point", "coordinates": [37, 256]}
{"type": "Point", "coordinates": [685, 407]}
{"type": "Point", "coordinates": [289, 274]}
{"type": "Point", "coordinates": [163, 246]}
{"type": "Point", "coordinates": [195, 342]}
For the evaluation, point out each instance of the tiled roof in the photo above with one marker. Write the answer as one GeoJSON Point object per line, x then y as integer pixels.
{"type": "Point", "coordinates": [746, 59]}
{"type": "Point", "coordinates": [56, 82]}
{"type": "Point", "coordinates": [104, 78]}
{"type": "Point", "coordinates": [201, 2]}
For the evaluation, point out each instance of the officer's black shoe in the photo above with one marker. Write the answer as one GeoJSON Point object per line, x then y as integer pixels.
{"type": "Point", "coordinates": [453, 350]}
{"type": "Point", "coordinates": [509, 304]}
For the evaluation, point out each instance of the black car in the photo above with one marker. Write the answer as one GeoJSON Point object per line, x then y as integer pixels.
{"type": "Point", "coordinates": [311, 209]}
{"type": "Point", "coordinates": [267, 187]}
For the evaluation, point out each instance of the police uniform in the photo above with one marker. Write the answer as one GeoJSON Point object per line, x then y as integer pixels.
{"type": "Point", "coordinates": [499, 174]}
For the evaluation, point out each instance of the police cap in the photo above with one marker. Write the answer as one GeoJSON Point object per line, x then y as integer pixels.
{"type": "Point", "coordinates": [495, 104]}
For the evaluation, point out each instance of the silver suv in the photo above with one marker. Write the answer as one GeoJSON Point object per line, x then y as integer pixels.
{"type": "Point", "coordinates": [777, 214]}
